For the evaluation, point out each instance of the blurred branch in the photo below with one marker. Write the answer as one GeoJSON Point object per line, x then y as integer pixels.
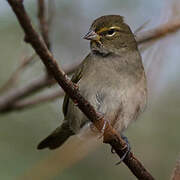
{"type": "Point", "coordinates": [43, 22]}
{"type": "Point", "coordinates": [176, 171]}
{"type": "Point", "coordinates": [29, 102]}
{"type": "Point", "coordinates": [110, 136]}
{"type": "Point", "coordinates": [140, 28]}
{"type": "Point", "coordinates": [12, 80]}
{"type": "Point", "coordinates": [44, 25]}
{"type": "Point", "coordinates": [44, 28]}
{"type": "Point", "coordinates": [158, 32]}
{"type": "Point", "coordinates": [7, 100]}
{"type": "Point", "coordinates": [51, 12]}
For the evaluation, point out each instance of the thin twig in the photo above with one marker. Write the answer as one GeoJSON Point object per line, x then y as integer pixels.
{"type": "Point", "coordinates": [43, 22]}
{"type": "Point", "coordinates": [17, 93]}
{"type": "Point", "coordinates": [158, 32]}
{"type": "Point", "coordinates": [12, 80]}
{"type": "Point", "coordinates": [140, 28]}
{"type": "Point", "coordinates": [44, 25]}
{"type": "Point", "coordinates": [7, 100]}
{"type": "Point", "coordinates": [29, 102]}
{"type": "Point", "coordinates": [110, 136]}
{"type": "Point", "coordinates": [51, 12]}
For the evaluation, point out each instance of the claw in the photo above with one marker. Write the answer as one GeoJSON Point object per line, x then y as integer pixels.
{"type": "Point", "coordinates": [104, 126]}
{"type": "Point", "coordinates": [103, 129]}
{"type": "Point", "coordinates": [112, 151]}
{"type": "Point", "coordinates": [128, 149]}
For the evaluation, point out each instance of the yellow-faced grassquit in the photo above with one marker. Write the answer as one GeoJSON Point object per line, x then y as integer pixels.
{"type": "Point", "coordinates": [111, 78]}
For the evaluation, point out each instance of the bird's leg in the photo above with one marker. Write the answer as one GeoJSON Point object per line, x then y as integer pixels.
{"type": "Point", "coordinates": [113, 151]}
{"type": "Point", "coordinates": [104, 126]}
{"type": "Point", "coordinates": [94, 129]}
{"type": "Point", "coordinates": [128, 149]}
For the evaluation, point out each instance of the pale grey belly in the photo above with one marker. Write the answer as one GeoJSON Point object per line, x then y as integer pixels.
{"type": "Point", "coordinates": [119, 105]}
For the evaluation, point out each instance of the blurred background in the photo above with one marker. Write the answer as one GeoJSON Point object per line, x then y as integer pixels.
{"type": "Point", "coordinates": [154, 137]}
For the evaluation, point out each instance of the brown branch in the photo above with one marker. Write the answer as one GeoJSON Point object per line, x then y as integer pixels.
{"type": "Point", "coordinates": [158, 32]}
{"type": "Point", "coordinates": [29, 102]}
{"type": "Point", "coordinates": [7, 100]}
{"type": "Point", "coordinates": [44, 28]}
{"type": "Point", "coordinates": [110, 136]}
{"type": "Point", "coordinates": [51, 11]}
{"type": "Point", "coordinates": [140, 28]}
{"type": "Point", "coordinates": [12, 80]}
{"type": "Point", "coordinates": [43, 22]}
{"type": "Point", "coordinates": [17, 93]}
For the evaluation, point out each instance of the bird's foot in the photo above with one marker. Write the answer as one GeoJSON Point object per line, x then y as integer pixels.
{"type": "Point", "coordinates": [93, 128]}
{"type": "Point", "coordinates": [127, 147]}
{"type": "Point", "coordinates": [104, 126]}
{"type": "Point", "coordinates": [113, 151]}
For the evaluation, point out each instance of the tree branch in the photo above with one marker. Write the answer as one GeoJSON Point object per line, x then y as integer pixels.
{"type": "Point", "coordinates": [7, 101]}
{"type": "Point", "coordinates": [29, 102]}
{"type": "Point", "coordinates": [43, 22]}
{"type": "Point", "coordinates": [14, 76]}
{"type": "Point", "coordinates": [110, 136]}
{"type": "Point", "coordinates": [44, 29]}
{"type": "Point", "coordinates": [159, 32]}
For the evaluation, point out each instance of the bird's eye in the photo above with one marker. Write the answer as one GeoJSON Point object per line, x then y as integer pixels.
{"type": "Point", "coordinates": [110, 32]}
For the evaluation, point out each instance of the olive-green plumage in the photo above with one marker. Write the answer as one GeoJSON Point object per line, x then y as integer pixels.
{"type": "Point", "coordinates": [111, 78]}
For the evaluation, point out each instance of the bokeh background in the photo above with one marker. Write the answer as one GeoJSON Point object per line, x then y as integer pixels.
{"type": "Point", "coordinates": [154, 137]}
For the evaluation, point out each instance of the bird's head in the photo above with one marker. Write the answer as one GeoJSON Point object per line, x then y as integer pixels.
{"type": "Point", "coordinates": [110, 34]}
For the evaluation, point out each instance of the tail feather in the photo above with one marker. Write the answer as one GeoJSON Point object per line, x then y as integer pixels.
{"type": "Point", "coordinates": [56, 138]}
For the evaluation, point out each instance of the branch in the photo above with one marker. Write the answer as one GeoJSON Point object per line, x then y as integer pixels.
{"type": "Point", "coordinates": [12, 80]}
{"type": "Point", "coordinates": [44, 28]}
{"type": "Point", "coordinates": [51, 11]}
{"type": "Point", "coordinates": [110, 136]}
{"type": "Point", "coordinates": [140, 28]}
{"type": "Point", "coordinates": [7, 100]}
{"type": "Point", "coordinates": [29, 102]}
{"type": "Point", "coordinates": [159, 32]}
{"type": "Point", "coordinates": [43, 22]}
{"type": "Point", "coordinates": [17, 93]}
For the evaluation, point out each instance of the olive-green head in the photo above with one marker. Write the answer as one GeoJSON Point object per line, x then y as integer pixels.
{"type": "Point", "coordinates": [110, 34]}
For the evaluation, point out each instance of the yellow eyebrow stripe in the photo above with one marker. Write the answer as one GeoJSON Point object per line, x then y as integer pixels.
{"type": "Point", "coordinates": [106, 29]}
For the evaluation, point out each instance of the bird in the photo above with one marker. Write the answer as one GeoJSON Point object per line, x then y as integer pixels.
{"type": "Point", "coordinates": [111, 78]}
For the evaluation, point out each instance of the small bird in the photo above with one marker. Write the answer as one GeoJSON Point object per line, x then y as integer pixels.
{"type": "Point", "coordinates": [111, 78]}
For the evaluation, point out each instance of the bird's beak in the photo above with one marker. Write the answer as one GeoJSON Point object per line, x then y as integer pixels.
{"type": "Point", "coordinates": [91, 35]}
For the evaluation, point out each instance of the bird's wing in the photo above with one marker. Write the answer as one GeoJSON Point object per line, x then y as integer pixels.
{"type": "Point", "coordinates": [75, 78]}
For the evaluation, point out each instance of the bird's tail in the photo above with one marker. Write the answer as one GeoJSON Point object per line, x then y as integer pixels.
{"type": "Point", "coordinates": [57, 137]}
